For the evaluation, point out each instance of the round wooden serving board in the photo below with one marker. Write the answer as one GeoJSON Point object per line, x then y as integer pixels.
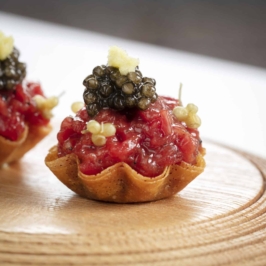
{"type": "Point", "coordinates": [219, 219]}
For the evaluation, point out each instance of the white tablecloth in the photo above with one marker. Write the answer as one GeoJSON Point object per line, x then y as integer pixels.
{"type": "Point", "coordinates": [231, 97]}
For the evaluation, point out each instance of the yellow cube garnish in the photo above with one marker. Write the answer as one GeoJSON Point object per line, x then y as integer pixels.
{"type": "Point", "coordinates": [6, 46]}
{"type": "Point", "coordinates": [119, 58]}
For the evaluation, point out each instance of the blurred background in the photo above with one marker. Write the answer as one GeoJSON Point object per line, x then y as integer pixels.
{"type": "Point", "coordinates": [233, 30]}
{"type": "Point", "coordinates": [216, 48]}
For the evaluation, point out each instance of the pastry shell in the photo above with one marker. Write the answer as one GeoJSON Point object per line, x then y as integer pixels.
{"type": "Point", "coordinates": [120, 183]}
{"type": "Point", "coordinates": [13, 150]}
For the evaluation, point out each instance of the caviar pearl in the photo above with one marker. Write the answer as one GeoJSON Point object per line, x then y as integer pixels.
{"type": "Point", "coordinates": [149, 80]}
{"type": "Point", "coordinates": [92, 109]}
{"type": "Point", "coordinates": [121, 81]}
{"type": "Point", "coordinates": [128, 88]}
{"type": "Point", "coordinates": [98, 71]}
{"type": "Point", "coordinates": [92, 84]}
{"type": "Point", "coordinates": [148, 90]}
{"type": "Point", "coordinates": [131, 101]}
{"type": "Point", "coordinates": [134, 77]}
{"type": "Point", "coordinates": [12, 72]}
{"type": "Point", "coordinates": [143, 103]}
{"type": "Point", "coordinates": [119, 103]}
{"type": "Point", "coordinates": [106, 90]}
{"type": "Point", "coordinates": [89, 97]}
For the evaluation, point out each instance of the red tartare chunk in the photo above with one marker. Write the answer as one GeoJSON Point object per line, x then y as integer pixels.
{"type": "Point", "coordinates": [17, 109]}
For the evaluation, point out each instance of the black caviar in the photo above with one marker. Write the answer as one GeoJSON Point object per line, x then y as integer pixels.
{"type": "Point", "coordinates": [12, 71]}
{"type": "Point", "coordinates": [107, 88]}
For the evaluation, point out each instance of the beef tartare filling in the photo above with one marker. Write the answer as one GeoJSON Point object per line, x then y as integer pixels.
{"type": "Point", "coordinates": [148, 141]}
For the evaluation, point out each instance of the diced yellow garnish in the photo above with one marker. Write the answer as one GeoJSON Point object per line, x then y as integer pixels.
{"type": "Point", "coordinates": [6, 46]}
{"type": "Point", "coordinates": [98, 140]}
{"type": "Point", "coordinates": [119, 58]}
{"type": "Point", "coordinates": [76, 106]}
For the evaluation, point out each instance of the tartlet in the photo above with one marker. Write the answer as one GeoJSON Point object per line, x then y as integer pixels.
{"type": "Point", "coordinates": [24, 110]}
{"type": "Point", "coordinates": [127, 144]}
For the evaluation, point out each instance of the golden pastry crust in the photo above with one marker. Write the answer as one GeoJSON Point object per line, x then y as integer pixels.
{"type": "Point", "coordinates": [120, 183]}
{"type": "Point", "coordinates": [13, 150]}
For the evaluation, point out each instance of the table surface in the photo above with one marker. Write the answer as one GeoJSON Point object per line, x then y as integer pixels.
{"type": "Point", "coordinates": [218, 219]}
{"type": "Point", "coordinates": [230, 96]}
{"type": "Point", "coordinates": [229, 29]}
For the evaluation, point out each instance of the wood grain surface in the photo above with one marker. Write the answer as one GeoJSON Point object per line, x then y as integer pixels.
{"type": "Point", "coordinates": [219, 219]}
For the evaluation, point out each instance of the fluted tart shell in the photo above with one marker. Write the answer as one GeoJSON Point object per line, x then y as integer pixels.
{"type": "Point", "coordinates": [11, 151]}
{"type": "Point", "coordinates": [120, 183]}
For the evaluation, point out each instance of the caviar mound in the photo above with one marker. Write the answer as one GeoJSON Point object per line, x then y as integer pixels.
{"type": "Point", "coordinates": [13, 150]}
{"type": "Point", "coordinates": [12, 71]}
{"type": "Point", "coordinates": [106, 87]}
{"type": "Point", "coordinates": [120, 183]}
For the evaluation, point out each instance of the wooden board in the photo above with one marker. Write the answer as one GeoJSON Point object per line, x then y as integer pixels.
{"type": "Point", "coordinates": [219, 219]}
